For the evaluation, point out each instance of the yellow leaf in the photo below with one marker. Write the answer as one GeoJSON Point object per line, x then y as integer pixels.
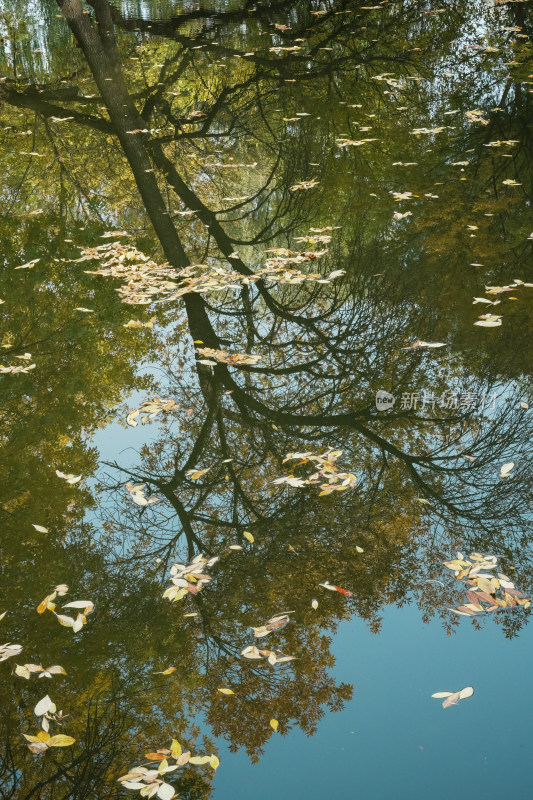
{"type": "Point", "coordinates": [22, 671]}
{"type": "Point", "coordinates": [43, 736]}
{"type": "Point", "coordinates": [167, 671]}
{"type": "Point", "coordinates": [60, 740]}
{"type": "Point", "coordinates": [175, 749]}
{"type": "Point", "coordinates": [200, 760]}
{"type": "Point", "coordinates": [226, 691]}
{"type": "Point", "coordinates": [214, 762]}
{"type": "Point", "coordinates": [274, 724]}
{"type": "Point", "coordinates": [41, 608]}
{"type": "Point", "coordinates": [248, 535]}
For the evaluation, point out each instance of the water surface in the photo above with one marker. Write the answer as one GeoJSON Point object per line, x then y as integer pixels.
{"type": "Point", "coordinates": [267, 285]}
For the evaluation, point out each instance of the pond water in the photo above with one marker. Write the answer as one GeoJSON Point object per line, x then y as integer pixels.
{"type": "Point", "coordinates": [266, 305]}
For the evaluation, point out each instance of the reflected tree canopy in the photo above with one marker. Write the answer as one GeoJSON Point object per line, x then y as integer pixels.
{"type": "Point", "coordinates": [194, 212]}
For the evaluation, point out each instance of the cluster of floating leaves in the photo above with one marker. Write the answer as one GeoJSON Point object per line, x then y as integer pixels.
{"type": "Point", "coordinates": [145, 280]}
{"type": "Point", "coordinates": [150, 409]}
{"type": "Point", "coordinates": [137, 495]}
{"type": "Point", "coordinates": [476, 117]}
{"type": "Point", "coordinates": [17, 369]}
{"type": "Point", "coordinates": [85, 606]}
{"type": "Point", "coordinates": [213, 356]}
{"type": "Point", "coordinates": [495, 320]}
{"type": "Point", "coordinates": [189, 578]}
{"type": "Point", "coordinates": [488, 592]}
{"type": "Point", "coordinates": [328, 476]}
{"type": "Point", "coordinates": [137, 323]}
{"type": "Point", "coordinates": [9, 650]}
{"type": "Point", "coordinates": [254, 653]}
{"type": "Point", "coordinates": [46, 709]}
{"type": "Point", "coordinates": [149, 781]}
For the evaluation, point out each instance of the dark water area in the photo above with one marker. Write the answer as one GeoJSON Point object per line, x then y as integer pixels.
{"type": "Point", "coordinates": [266, 308]}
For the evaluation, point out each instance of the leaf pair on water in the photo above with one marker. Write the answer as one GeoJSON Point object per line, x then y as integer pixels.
{"type": "Point", "coordinates": [452, 698]}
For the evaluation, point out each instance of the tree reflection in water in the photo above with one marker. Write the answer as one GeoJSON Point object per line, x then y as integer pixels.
{"type": "Point", "coordinates": [192, 133]}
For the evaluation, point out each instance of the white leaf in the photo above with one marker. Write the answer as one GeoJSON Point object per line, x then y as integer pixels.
{"type": "Point", "coordinates": [506, 469]}
{"type": "Point", "coordinates": [43, 706]}
{"type": "Point", "coordinates": [40, 528]}
{"type": "Point", "coordinates": [165, 791]}
{"type": "Point", "coordinates": [78, 625]}
{"type": "Point", "coordinates": [67, 622]}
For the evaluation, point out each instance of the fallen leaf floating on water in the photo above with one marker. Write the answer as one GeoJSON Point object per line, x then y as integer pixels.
{"type": "Point", "coordinates": [314, 604]}
{"type": "Point", "coordinates": [420, 343]}
{"type": "Point", "coordinates": [273, 657]}
{"type": "Point", "coordinates": [44, 706]}
{"type": "Point", "coordinates": [150, 782]}
{"type": "Point", "coordinates": [196, 474]}
{"type": "Point", "coordinates": [274, 724]}
{"type": "Point", "coordinates": [274, 624]}
{"type": "Point", "coordinates": [137, 495]}
{"type": "Point", "coordinates": [43, 740]}
{"type": "Point", "coordinates": [452, 698]}
{"type": "Point", "coordinates": [476, 117]}
{"type": "Point", "coordinates": [68, 477]}
{"type": "Point", "coordinates": [487, 592]}
{"type": "Point", "coordinates": [511, 287]}
{"type": "Point", "coordinates": [333, 588]}
{"type": "Point", "coordinates": [46, 709]}
{"type": "Point", "coordinates": [489, 321]}
{"type": "Point", "coordinates": [167, 671]}
{"type": "Point", "coordinates": [303, 185]}
{"type": "Point", "coordinates": [145, 280]}
{"type": "Point", "coordinates": [29, 264]}
{"type": "Point", "coordinates": [247, 535]}
{"type": "Point", "coordinates": [353, 142]}
{"type": "Point", "coordinates": [26, 670]}
{"type": "Point", "coordinates": [136, 323]}
{"type": "Point", "coordinates": [506, 469]}
{"type": "Point", "coordinates": [9, 650]}
{"type": "Point", "coordinates": [223, 357]}
{"type": "Point", "coordinates": [189, 578]}
{"type": "Point", "coordinates": [15, 370]}
{"type": "Point", "coordinates": [40, 528]}
{"type": "Point", "coordinates": [336, 481]}
{"type": "Point", "coordinates": [150, 409]}
{"type": "Point", "coordinates": [60, 590]}
{"type": "Point", "coordinates": [226, 691]}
